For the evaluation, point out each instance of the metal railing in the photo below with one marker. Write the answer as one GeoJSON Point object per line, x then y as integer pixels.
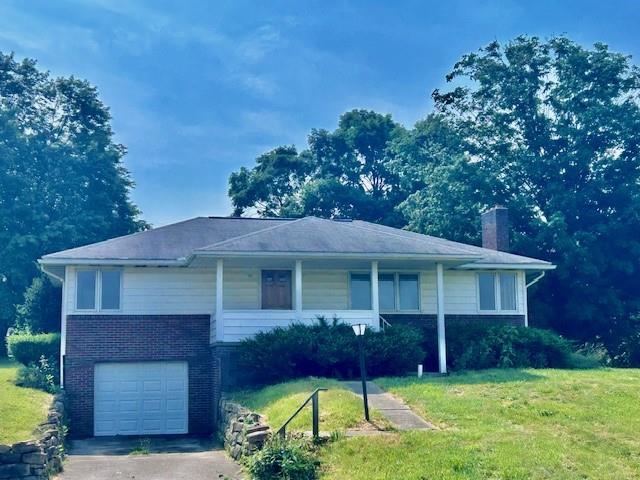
{"type": "Point", "coordinates": [315, 415]}
{"type": "Point", "coordinates": [384, 323]}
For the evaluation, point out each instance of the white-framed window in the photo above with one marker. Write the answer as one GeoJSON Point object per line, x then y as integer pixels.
{"type": "Point", "coordinates": [396, 291]}
{"type": "Point", "coordinates": [497, 292]}
{"type": "Point", "coordinates": [360, 291]}
{"type": "Point", "coordinates": [98, 289]}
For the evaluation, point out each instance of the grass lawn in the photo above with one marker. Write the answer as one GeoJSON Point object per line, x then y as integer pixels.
{"type": "Point", "coordinates": [340, 409]}
{"type": "Point", "coordinates": [21, 409]}
{"type": "Point", "coordinates": [506, 424]}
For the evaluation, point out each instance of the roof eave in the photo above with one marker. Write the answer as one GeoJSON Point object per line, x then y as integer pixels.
{"type": "Point", "coordinates": [347, 255]}
{"type": "Point", "coordinates": [506, 266]}
{"type": "Point", "coordinates": [114, 261]}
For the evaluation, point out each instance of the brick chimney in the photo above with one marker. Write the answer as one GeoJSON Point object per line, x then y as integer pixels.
{"type": "Point", "coordinates": [495, 229]}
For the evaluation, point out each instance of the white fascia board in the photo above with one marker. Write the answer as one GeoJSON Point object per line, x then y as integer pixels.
{"type": "Point", "coordinates": [364, 256]}
{"type": "Point", "coordinates": [506, 266]}
{"type": "Point", "coordinates": [97, 261]}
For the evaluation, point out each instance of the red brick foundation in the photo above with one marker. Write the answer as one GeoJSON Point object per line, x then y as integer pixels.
{"type": "Point", "coordinates": [134, 338]}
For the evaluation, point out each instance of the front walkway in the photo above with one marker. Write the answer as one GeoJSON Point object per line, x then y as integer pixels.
{"type": "Point", "coordinates": [120, 458]}
{"type": "Point", "coordinates": [393, 409]}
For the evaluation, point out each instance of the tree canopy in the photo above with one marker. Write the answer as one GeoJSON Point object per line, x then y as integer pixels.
{"type": "Point", "coordinates": [62, 182]}
{"type": "Point", "coordinates": [548, 128]}
{"type": "Point", "coordinates": [342, 173]}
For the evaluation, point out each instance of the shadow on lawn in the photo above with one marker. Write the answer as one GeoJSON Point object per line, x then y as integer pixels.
{"type": "Point", "coordinates": [505, 375]}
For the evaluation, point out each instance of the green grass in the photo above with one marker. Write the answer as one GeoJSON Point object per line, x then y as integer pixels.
{"type": "Point", "coordinates": [506, 424]}
{"type": "Point", "coordinates": [339, 408]}
{"type": "Point", "coordinates": [21, 409]}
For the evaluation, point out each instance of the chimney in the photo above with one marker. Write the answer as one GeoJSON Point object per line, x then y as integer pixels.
{"type": "Point", "coordinates": [495, 229]}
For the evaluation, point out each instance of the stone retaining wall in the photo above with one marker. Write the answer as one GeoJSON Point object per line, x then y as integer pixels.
{"type": "Point", "coordinates": [242, 430]}
{"type": "Point", "coordinates": [38, 458]}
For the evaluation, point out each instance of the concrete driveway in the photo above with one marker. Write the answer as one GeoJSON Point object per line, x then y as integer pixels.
{"type": "Point", "coordinates": [119, 458]}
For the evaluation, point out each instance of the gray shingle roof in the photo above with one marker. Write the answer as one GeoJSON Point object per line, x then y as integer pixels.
{"type": "Point", "coordinates": [309, 235]}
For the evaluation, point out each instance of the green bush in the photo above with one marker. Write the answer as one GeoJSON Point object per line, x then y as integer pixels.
{"type": "Point", "coordinates": [40, 311]}
{"type": "Point", "coordinates": [327, 349]}
{"type": "Point", "coordinates": [506, 346]}
{"type": "Point", "coordinates": [287, 459]}
{"type": "Point", "coordinates": [27, 348]}
{"type": "Point", "coordinates": [627, 353]}
{"type": "Point", "coordinates": [42, 375]}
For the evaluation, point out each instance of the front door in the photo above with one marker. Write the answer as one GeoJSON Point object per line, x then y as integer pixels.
{"type": "Point", "coordinates": [276, 289]}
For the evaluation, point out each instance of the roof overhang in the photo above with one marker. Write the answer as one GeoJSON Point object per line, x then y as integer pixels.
{"type": "Point", "coordinates": [506, 266]}
{"type": "Point", "coordinates": [114, 261]}
{"type": "Point", "coordinates": [346, 255]}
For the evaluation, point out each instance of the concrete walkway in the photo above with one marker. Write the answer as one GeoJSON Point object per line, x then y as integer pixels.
{"type": "Point", "coordinates": [392, 408]}
{"type": "Point", "coordinates": [167, 459]}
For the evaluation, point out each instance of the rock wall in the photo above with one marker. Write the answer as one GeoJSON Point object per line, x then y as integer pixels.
{"type": "Point", "coordinates": [242, 431]}
{"type": "Point", "coordinates": [38, 458]}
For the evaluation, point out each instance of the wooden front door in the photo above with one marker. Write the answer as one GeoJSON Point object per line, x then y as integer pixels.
{"type": "Point", "coordinates": [276, 289]}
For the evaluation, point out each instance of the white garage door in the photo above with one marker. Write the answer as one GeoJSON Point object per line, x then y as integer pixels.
{"type": "Point", "coordinates": [144, 398]}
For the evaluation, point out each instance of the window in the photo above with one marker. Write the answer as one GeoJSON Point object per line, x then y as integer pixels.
{"type": "Point", "coordinates": [497, 292]}
{"type": "Point", "coordinates": [508, 291]}
{"type": "Point", "coordinates": [360, 291]}
{"type": "Point", "coordinates": [409, 293]}
{"type": "Point", "coordinates": [110, 299]}
{"type": "Point", "coordinates": [86, 290]}
{"type": "Point", "coordinates": [396, 292]}
{"type": "Point", "coordinates": [387, 291]}
{"type": "Point", "coordinates": [93, 285]}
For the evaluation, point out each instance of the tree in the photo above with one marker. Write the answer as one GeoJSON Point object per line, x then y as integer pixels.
{"type": "Point", "coordinates": [62, 182]}
{"type": "Point", "coordinates": [343, 173]}
{"type": "Point", "coordinates": [550, 129]}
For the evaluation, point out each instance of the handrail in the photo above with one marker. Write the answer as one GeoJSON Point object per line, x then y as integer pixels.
{"type": "Point", "coordinates": [384, 322]}
{"type": "Point", "coordinates": [316, 414]}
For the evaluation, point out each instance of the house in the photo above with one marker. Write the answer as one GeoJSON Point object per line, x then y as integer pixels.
{"type": "Point", "coordinates": [150, 320]}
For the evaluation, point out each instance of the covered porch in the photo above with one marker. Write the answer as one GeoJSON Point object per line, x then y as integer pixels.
{"type": "Point", "coordinates": [261, 293]}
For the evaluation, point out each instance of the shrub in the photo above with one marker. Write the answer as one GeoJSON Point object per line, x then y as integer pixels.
{"type": "Point", "coordinates": [327, 349]}
{"type": "Point", "coordinates": [40, 311]}
{"type": "Point", "coordinates": [42, 375]}
{"type": "Point", "coordinates": [627, 353]}
{"type": "Point", "coordinates": [288, 459]}
{"type": "Point", "coordinates": [27, 348]}
{"type": "Point", "coordinates": [506, 346]}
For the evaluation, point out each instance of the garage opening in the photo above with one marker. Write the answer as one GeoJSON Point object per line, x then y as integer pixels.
{"type": "Point", "coordinates": [141, 398]}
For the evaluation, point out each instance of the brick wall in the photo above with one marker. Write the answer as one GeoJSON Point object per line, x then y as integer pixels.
{"type": "Point", "coordinates": [130, 338]}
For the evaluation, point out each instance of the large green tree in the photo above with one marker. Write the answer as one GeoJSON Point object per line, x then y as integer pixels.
{"type": "Point", "coordinates": [62, 182]}
{"type": "Point", "coordinates": [342, 173]}
{"type": "Point", "coordinates": [552, 130]}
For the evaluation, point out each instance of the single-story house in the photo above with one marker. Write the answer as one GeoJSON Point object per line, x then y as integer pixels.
{"type": "Point", "coordinates": [150, 320]}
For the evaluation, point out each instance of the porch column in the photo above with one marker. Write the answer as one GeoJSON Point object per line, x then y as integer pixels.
{"type": "Point", "coordinates": [219, 298]}
{"type": "Point", "coordinates": [375, 304]}
{"type": "Point", "coordinates": [298, 289]}
{"type": "Point", "coordinates": [442, 344]}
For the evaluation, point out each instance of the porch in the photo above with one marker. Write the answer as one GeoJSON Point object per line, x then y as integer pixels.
{"type": "Point", "coordinates": [348, 289]}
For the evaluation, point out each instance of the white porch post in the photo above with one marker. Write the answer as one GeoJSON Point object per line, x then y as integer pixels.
{"type": "Point", "coordinates": [219, 298]}
{"type": "Point", "coordinates": [375, 304]}
{"type": "Point", "coordinates": [442, 344]}
{"type": "Point", "coordinates": [298, 289]}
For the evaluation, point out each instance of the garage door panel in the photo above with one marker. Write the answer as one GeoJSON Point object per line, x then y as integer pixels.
{"type": "Point", "coordinates": [143, 398]}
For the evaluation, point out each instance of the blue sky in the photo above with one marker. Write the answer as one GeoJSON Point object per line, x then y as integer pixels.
{"type": "Point", "coordinates": [198, 89]}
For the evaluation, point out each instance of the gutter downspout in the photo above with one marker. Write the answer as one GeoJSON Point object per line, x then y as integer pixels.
{"type": "Point", "coordinates": [526, 295]}
{"type": "Point", "coordinates": [535, 280]}
{"type": "Point", "coordinates": [63, 318]}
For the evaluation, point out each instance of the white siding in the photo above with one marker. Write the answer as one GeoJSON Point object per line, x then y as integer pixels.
{"type": "Point", "coordinates": [241, 288]}
{"type": "Point", "coordinates": [158, 291]}
{"type": "Point", "coordinates": [325, 289]}
{"type": "Point", "coordinates": [241, 324]}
